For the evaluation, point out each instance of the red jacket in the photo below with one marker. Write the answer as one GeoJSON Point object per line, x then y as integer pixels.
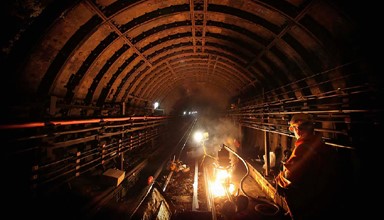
{"type": "Point", "coordinates": [307, 176]}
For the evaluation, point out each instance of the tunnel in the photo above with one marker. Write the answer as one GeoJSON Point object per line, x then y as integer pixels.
{"type": "Point", "coordinates": [109, 91]}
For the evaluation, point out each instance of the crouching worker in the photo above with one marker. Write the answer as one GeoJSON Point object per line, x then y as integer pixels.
{"type": "Point", "coordinates": [306, 176]}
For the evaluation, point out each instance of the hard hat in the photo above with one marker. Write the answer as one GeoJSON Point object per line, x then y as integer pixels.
{"type": "Point", "coordinates": [300, 118]}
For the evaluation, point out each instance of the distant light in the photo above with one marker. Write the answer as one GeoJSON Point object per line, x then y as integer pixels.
{"type": "Point", "coordinates": [189, 112]}
{"type": "Point", "coordinates": [155, 105]}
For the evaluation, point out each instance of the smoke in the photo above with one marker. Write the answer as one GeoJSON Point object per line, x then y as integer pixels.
{"type": "Point", "coordinates": [200, 97]}
{"type": "Point", "coordinates": [221, 131]}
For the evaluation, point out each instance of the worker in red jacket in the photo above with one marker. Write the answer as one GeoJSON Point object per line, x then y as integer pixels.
{"type": "Point", "coordinates": [305, 181]}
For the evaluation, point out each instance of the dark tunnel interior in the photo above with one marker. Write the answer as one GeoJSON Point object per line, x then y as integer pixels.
{"type": "Point", "coordinates": [79, 80]}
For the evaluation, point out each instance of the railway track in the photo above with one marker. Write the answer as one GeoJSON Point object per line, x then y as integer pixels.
{"type": "Point", "coordinates": [187, 187]}
{"type": "Point", "coordinates": [194, 189]}
{"type": "Point", "coordinates": [182, 186]}
{"type": "Point", "coordinates": [177, 187]}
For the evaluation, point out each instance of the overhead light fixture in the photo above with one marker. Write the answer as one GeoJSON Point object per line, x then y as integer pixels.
{"type": "Point", "coordinates": [155, 105]}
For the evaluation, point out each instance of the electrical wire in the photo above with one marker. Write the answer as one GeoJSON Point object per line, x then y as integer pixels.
{"type": "Point", "coordinates": [265, 201]}
{"type": "Point", "coordinates": [246, 174]}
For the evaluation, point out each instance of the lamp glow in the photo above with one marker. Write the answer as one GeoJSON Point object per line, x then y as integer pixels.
{"type": "Point", "coordinates": [222, 185]}
{"type": "Point", "coordinates": [198, 136]}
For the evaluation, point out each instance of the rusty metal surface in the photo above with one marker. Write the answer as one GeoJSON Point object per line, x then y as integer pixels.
{"type": "Point", "coordinates": [137, 52]}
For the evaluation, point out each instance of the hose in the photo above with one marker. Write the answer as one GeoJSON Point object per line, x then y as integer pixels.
{"type": "Point", "coordinates": [260, 206]}
{"type": "Point", "coordinates": [246, 174]}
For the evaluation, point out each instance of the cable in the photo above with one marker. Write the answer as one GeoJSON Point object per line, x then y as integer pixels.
{"type": "Point", "coordinates": [265, 201]}
{"type": "Point", "coordinates": [246, 174]}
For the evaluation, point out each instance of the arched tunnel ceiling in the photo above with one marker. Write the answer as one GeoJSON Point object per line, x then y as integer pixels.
{"type": "Point", "coordinates": [172, 51]}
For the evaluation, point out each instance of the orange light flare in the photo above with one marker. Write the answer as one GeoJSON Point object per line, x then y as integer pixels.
{"type": "Point", "coordinates": [221, 184]}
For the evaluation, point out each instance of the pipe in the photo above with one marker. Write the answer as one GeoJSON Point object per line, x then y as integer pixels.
{"type": "Point", "coordinates": [75, 122]}
{"type": "Point", "coordinates": [289, 135]}
{"type": "Point", "coordinates": [266, 150]}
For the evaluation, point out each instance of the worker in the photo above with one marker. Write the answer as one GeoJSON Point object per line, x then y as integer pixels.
{"type": "Point", "coordinates": [306, 176]}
